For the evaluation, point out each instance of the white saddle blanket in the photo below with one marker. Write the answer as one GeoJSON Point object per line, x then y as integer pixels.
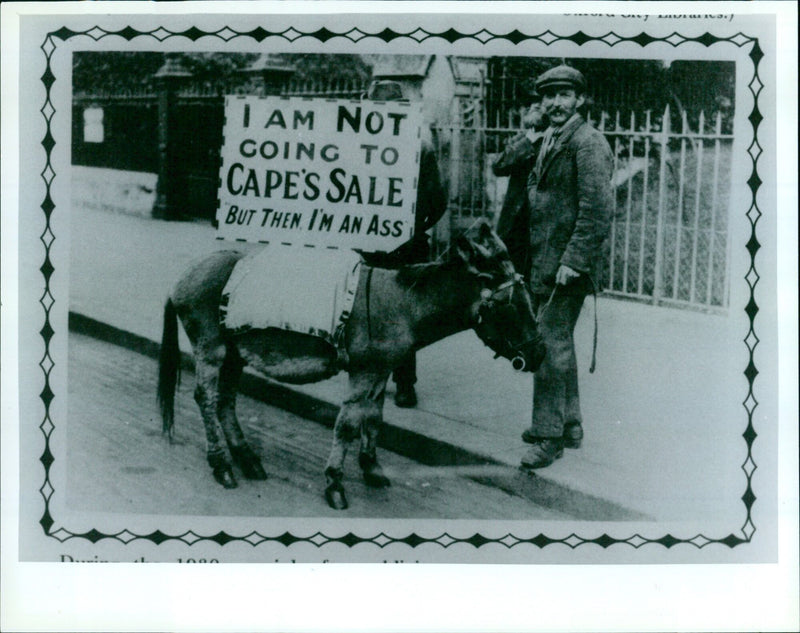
{"type": "Point", "coordinates": [299, 289]}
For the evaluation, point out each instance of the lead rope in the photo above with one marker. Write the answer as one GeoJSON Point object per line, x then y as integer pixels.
{"type": "Point", "coordinates": [594, 341]}
{"type": "Point", "coordinates": [593, 364]}
{"type": "Point", "coordinates": [549, 301]}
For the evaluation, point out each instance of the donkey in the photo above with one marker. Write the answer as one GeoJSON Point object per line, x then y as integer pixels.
{"type": "Point", "coordinates": [394, 312]}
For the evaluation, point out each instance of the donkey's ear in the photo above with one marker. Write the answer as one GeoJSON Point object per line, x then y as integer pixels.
{"type": "Point", "coordinates": [469, 253]}
{"type": "Point", "coordinates": [486, 236]}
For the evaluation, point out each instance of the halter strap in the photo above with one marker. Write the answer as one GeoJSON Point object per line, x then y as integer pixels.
{"type": "Point", "coordinates": [515, 280]}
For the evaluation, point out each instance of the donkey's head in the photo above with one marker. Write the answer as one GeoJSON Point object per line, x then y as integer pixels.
{"type": "Point", "coordinates": [502, 313]}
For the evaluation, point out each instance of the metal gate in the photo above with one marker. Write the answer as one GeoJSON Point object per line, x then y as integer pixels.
{"type": "Point", "coordinates": [669, 238]}
{"type": "Point", "coordinates": [197, 136]}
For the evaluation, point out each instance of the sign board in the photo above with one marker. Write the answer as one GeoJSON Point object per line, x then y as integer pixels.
{"type": "Point", "coordinates": [319, 172]}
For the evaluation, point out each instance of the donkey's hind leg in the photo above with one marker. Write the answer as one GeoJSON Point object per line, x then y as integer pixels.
{"type": "Point", "coordinates": [243, 456]}
{"type": "Point", "coordinates": [362, 407]}
{"type": "Point", "coordinates": [206, 394]}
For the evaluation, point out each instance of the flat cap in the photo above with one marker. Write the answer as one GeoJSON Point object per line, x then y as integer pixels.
{"type": "Point", "coordinates": [560, 77]}
{"type": "Point", "coordinates": [384, 90]}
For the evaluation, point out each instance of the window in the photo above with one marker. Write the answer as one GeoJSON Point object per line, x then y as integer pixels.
{"type": "Point", "coordinates": [93, 131]}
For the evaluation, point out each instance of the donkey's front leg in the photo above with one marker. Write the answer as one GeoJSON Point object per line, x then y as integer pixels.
{"type": "Point", "coordinates": [364, 402]}
{"type": "Point", "coordinates": [367, 455]}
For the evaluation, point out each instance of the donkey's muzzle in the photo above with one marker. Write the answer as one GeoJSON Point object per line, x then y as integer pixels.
{"type": "Point", "coordinates": [526, 356]}
{"type": "Point", "coordinates": [530, 355]}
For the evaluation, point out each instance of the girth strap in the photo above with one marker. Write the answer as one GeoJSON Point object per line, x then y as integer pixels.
{"type": "Point", "coordinates": [367, 299]}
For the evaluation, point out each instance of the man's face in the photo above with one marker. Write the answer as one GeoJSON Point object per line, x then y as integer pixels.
{"type": "Point", "coordinates": [560, 104]}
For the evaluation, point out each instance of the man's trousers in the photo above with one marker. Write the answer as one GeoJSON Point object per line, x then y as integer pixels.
{"type": "Point", "coordinates": [555, 385]}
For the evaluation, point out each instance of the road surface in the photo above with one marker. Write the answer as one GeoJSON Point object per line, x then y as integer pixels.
{"type": "Point", "coordinates": [118, 460]}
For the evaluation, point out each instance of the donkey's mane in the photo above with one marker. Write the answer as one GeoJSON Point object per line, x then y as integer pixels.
{"type": "Point", "coordinates": [418, 275]}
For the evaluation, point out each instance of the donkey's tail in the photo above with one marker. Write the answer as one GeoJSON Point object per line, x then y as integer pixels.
{"type": "Point", "coordinates": [169, 368]}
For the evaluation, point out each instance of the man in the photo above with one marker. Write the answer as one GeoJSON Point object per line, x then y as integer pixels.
{"type": "Point", "coordinates": [570, 202]}
{"type": "Point", "coordinates": [516, 162]}
{"type": "Point", "coordinates": [430, 206]}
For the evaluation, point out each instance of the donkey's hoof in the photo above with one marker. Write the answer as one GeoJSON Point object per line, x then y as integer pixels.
{"type": "Point", "coordinates": [376, 479]}
{"type": "Point", "coordinates": [334, 495]}
{"type": "Point", "coordinates": [225, 478]}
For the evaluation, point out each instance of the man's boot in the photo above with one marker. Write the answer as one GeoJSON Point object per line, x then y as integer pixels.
{"type": "Point", "coordinates": [573, 435]}
{"type": "Point", "coordinates": [543, 453]}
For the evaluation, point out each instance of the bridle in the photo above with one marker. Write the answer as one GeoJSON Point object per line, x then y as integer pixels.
{"type": "Point", "coordinates": [491, 304]}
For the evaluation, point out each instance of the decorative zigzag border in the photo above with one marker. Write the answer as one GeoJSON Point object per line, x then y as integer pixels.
{"type": "Point", "coordinates": [381, 540]}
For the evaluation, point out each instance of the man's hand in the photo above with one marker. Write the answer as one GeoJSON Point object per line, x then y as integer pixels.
{"type": "Point", "coordinates": [534, 118]}
{"type": "Point", "coordinates": [566, 274]}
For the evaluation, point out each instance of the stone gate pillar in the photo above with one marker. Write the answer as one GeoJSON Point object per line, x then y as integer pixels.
{"type": "Point", "coordinates": [268, 74]}
{"type": "Point", "coordinates": [168, 79]}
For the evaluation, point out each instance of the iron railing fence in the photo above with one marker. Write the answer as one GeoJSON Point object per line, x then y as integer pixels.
{"type": "Point", "coordinates": [336, 89]}
{"type": "Point", "coordinates": [218, 88]}
{"type": "Point", "coordinates": [130, 123]}
{"type": "Point", "coordinates": [669, 241]}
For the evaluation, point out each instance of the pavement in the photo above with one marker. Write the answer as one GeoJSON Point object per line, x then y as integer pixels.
{"type": "Point", "coordinates": [663, 439]}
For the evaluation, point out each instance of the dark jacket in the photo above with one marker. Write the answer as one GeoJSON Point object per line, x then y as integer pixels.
{"type": "Point", "coordinates": [516, 162]}
{"type": "Point", "coordinates": [430, 206]}
{"type": "Point", "coordinates": [571, 201]}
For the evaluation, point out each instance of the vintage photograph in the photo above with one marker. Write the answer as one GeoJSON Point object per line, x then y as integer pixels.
{"type": "Point", "coordinates": [361, 288]}
{"type": "Point", "coordinates": [619, 258]}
